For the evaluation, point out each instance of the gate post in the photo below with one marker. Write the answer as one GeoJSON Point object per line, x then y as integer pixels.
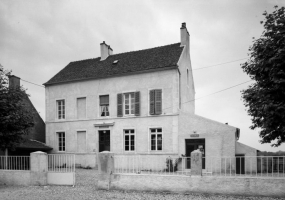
{"type": "Point", "coordinates": [196, 163]}
{"type": "Point", "coordinates": [39, 168]}
{"type": "Point", "coordinates": [106, 169]}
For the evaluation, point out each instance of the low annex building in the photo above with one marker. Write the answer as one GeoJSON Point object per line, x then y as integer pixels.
{"type": "Point", "coordinates": [138, 102]}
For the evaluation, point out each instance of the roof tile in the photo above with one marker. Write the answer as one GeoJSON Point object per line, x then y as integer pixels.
{"type": "Point", "coordinates": [157, 58]}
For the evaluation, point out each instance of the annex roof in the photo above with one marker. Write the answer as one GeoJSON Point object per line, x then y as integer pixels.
{"type": "Point", "coordinates": [154, 59]}
{"type": "Point", "coordinates": [34, 145]}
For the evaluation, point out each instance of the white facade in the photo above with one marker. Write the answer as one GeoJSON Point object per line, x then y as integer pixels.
{"type": "Point", "coordinates": [78, 129]}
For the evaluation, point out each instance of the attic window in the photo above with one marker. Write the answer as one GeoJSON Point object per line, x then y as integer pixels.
{"type": "Point", "coordinates": [115, 62]}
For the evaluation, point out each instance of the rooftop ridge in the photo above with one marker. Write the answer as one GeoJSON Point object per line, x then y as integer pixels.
{"type": "Point", "coordinates": [126, 52]}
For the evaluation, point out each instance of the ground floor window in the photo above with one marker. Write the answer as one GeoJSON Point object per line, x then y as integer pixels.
{"type": "Point", "coordinates": [61, 141]}
{"type": "Point", "coordinates": [156, 139]}
{"type": "Point", "coordinates": [129, 137]}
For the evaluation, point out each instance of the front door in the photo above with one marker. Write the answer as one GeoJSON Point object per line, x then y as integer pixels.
{"type": "Point", "coordinates": [191, 145]}
{"type": "Point", "coordinates": [240, 164]}
{"type": "Point", "coordinates": [104, 140]}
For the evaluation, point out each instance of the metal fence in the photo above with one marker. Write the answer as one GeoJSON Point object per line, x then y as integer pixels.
{"type": "Point", "coordinates": [152, 164]}
{"type": "Point", "coordinates": [14, 162]}
{"type": "Point", "coordinates": [253, 166]}
{"type": "Point", "coordinates": [243, 166]}
{"type": "Point", "coordinates": [61, 162]}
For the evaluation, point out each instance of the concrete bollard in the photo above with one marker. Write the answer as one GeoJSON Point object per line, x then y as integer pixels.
{"type": "Point", "coordinates": [39, 168]}
{"type": "Point", "coordinates": [106, 169]}
{"type": "Point", "coordinates": [196, 163]}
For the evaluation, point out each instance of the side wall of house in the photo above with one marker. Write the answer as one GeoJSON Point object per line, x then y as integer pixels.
{"type": "Point", "coordinates": [187, 82]}
{"type": "Point", "coordinates": [220, 139]}
{"type": "Point", "coordinates": [165, 80]}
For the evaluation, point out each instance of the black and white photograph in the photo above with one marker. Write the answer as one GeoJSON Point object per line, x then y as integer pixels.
{"type": "Point", "coordinates": [149, 99]}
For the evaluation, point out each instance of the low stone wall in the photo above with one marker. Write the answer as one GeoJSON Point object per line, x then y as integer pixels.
{"type": "Point", "coordinates": [15, 177]}
{"type": "Point", "coordinates": [196, 183]}
{"type": "Point", "coordinates": [200, 184]}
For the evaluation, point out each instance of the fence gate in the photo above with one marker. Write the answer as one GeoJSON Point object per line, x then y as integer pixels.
{"type": "Point", "coordinates": [61, 169]}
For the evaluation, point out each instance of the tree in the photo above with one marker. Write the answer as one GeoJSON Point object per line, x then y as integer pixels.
{"type": "Point", "coordinates": [15, 119]}
{"type": "Point", "coordinates": [265, 98]}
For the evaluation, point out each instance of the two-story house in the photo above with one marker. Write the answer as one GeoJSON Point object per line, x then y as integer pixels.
{"type": "Point", "coordinates": [139, 102]}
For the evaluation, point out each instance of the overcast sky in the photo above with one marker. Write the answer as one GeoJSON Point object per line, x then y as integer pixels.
{"type": "Point", "coordinates": [39, 38]}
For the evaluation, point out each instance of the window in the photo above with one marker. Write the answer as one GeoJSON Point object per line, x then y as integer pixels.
{"type": "Point", "coordinates": [155, 102]}
{"type": "Point", "coordinates": [104, 105]}
{"type": "Point", "coordinates": [129, 137]}
{"type": "Point", "coordinates": [156, 139]}
{"type": "Point", "coordinates": [81, 141]}
{"type": "Point", "coordinates": [81, 108]}
{"type": "Point", "coordinates": [61, 141]}
{"type": "Point", "coordinates": [129, 103]}
{"type": "Point", "coordinates": [187, 77]}
{"type": "Point", "coordinates": [60, 105]}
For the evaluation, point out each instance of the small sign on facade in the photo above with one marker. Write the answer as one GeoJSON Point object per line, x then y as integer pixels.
{"type": "Point", "coordinates": [194, 135]}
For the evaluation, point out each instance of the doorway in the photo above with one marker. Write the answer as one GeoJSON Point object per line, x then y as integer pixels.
{"type": "Point", "coordinates": [240, 164]}
{"type": "Point", "coordinates": [194, 144]}
{"type": "Point", "coordinates": [104, 140]}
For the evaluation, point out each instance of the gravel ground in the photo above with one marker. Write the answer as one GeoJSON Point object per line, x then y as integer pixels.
{"type": "Point", "coordinates": [85, 189]}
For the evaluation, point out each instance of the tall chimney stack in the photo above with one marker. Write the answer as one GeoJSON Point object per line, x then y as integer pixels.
{"type": "Point", "coordinates": [184, 35]}
{"type": "Point", "coordinates": [106, 51]}
{"type": "Point", "coordinates": [14, 82]}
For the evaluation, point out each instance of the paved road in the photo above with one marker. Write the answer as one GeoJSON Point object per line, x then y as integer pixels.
{"type": "Point", "coordinates": [85, 189]}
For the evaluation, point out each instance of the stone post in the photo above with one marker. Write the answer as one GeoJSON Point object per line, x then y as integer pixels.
{"type": "Point", "coordinates": [38, 168]}
{"type": "Point", "coordinates": [106, 169]}
{"type": "Point", "coordinates": [196, 163]}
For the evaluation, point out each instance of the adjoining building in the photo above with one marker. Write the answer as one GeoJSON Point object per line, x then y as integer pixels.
{"type": "Point", "coordinates": [139, 102]}
{"type": "Point", "coordinates": [34, 140]}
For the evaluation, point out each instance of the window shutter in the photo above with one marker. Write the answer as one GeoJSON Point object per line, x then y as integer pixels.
{"type": "Point", "coordinates": [137, 103]}
{"type": "Point", "coordinates": [158, 102]}
{"type": "Point", "coordinates": [120, 105]}
{"type": "Point", "coordinates": [151, 102]}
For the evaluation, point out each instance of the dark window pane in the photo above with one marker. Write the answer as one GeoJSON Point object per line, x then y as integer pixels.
{"type": "Point", "coordinates": [152, 130]}
{"type": "Point", "coordinates": [126, 148]}
{"type": "Point", "coordinates": [159, 130]}
{"type": "Point", "coordinates": [132, 131]}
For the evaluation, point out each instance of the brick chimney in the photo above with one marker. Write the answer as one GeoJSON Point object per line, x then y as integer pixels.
{"type": "Point", "coordinates": [14, 82]}
{"type": "Point", "coordinates": [184, 35]}
{"type": "Point", "coordinates": [106, 51]}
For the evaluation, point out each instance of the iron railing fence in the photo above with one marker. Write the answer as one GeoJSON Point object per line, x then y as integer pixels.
{"type": "Point", "coordinates": [152, 164]}
{"type": "Point", "coordinates": [243, 166]}
{"type": "Point", "coordinates": [14, 162]}
{"type": "Point", "coordinates": [61, 162]}
{"type": "Point", "coordinates": [249, 166]}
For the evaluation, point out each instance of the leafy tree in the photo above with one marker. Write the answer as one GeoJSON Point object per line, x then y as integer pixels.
{"type": "Point", "coordinates": [15, 119]}
{"type": "Point", "coordinates": [265, 99]}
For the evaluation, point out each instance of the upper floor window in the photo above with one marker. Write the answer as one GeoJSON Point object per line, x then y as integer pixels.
{"type": "Point", "coordinates": [61, 141]}
{"type": "Point", "coordinates": [60, 106]}
{"type": "Point", "coordinates": [104, 105]}
{"type": "Point", "coordinates": [155, 102]}
{"type": "Point", "coordinates": [156, 139]}
{"type": "Point", "coordinates": [81, 108]}
{"type": "Point", "coordinates": [128, 104]}
{"type": "Point", "coordinates": [129, 137]}
{"type": "Point", "coordinates": [187, 77]}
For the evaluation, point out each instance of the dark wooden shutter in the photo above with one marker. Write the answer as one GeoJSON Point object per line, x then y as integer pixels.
{"type": "Point", "coordinates": [151, 102]}
{"type": "Point", "coordinates": [158, 102]}
{"type": "Point", "coordinates": [137, 103]}
{"type": "Point", "coordinates": [120, 105]}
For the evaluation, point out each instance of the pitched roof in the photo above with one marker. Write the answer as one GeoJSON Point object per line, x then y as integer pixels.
{"type": "Point", "coordinates": [33, 144]}
{"type": "Point", "coordinates": [158, 58]}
